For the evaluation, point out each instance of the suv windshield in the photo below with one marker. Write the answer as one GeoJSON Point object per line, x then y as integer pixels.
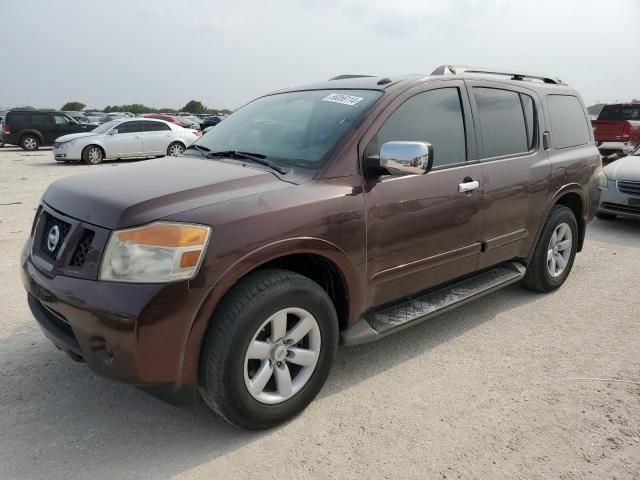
{"type": "Point", "coordinates": [296, 128]}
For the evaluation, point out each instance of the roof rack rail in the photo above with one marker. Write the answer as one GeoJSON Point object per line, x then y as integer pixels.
{"type": "Point", "coordinates": [347, 76]}
{"type": "Point", "coordinates": [461, 70]}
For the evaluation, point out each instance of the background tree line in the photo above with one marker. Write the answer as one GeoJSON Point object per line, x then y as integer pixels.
{"type": "Point", "coordinates": [193, 106]}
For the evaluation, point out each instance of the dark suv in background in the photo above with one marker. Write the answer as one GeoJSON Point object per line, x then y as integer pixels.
{"type": "Point", "coordinates": [348, 209]}
{"type": "Point", "coordinates": [33, 129]}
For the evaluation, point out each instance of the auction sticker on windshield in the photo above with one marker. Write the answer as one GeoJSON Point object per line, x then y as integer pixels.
{"type": "Point", "coordinates": [343, 99]}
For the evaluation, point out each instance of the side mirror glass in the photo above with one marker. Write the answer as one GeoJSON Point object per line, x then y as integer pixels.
{"type": "Point", "coordinates": [406, 158]}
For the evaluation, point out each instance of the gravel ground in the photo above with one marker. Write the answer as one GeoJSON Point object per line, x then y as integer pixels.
{"type": "Point", "coordinates": [514, 385]}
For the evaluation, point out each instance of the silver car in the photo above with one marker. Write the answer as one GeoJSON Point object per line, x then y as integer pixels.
{"type": "Point", "coordinates": [620, 187]}
{"type": "Point", "coordinates": [124, 138]}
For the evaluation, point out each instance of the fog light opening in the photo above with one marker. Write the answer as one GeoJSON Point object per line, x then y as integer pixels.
{"type": "Point", "coordinates": [102, 350]}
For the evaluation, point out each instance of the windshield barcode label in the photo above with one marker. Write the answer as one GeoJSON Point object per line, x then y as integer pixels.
{"type": "Point", "coordinates": [343, 99]}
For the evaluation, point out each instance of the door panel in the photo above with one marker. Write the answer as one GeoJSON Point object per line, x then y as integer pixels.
{"type": "Point", "coordinates": [127, 142]}
{"type": "Point", "coordinates": [515, 168]}
{"type": "Point", "coordinates": [421, 230]}
{"type": "Point", "coordinates": [156, 137]}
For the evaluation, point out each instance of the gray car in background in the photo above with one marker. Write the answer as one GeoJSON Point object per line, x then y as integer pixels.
{"type": "Point", "coordinates": [620, 187]}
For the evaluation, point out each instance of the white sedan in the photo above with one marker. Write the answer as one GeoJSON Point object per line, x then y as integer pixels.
{"type": "Point", "coordinates": [124, 138]}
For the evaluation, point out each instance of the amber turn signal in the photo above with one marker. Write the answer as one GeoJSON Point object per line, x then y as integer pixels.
{"type": "Point", "coordinates": [166, 235]}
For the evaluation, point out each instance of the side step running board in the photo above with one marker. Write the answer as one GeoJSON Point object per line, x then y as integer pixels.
{"type": "Point", "coordinates": [379, 323]}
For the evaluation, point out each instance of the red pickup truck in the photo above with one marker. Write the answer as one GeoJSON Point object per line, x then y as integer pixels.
{"type": "Point", "coordinates": [617, 129]}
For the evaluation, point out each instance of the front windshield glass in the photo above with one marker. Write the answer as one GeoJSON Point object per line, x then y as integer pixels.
{"type": "Point", "coordinates": [295, 128]}
{"type": "Point", "coordinates": [104, 127]}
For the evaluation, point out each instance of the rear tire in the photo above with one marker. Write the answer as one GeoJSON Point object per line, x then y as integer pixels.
{"type": "Point", "coordinates": [555, 251]}
{"type": "Point", "coordinates": [92, 155]}
{"type": "Point", "coordinates": [606, 216]}
{"type": "Point", "coordinates": [258, 388]}
{"type": "Point", "coordinates": [30, 143]}
{"type": "Point", "coordinates": [175, 149]}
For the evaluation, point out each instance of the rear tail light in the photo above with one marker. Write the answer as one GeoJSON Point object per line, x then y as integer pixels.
{"type": "Point", "coordinates": [7, 128]}
{"type": "Point", "coordinates": [626, 131]}
{"type": "Point", "coordinates": [197, 133]}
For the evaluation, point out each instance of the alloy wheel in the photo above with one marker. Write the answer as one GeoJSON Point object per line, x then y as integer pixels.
{"type": "Point", "coordinates": [30, 143]}
{"type": "Point", "coordinates": [282, 355]}
{"type": "Point", "coordinates": [94, 155]}
{"type": "Point", "coordinates": [175, 150]}
{"type": "Point", "coordinates": [559, 251]}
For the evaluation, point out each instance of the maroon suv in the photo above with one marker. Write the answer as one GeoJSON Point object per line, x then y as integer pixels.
{"type": "Point", "coordinates": [345, 210]}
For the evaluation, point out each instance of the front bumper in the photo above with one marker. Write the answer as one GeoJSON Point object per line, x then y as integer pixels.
{"type": "Point", "coordinates": [132, 333]}
{"type": "Point", "coordinates": [64, 153]}
{"type": "Point", "coordinates": [616, 203]}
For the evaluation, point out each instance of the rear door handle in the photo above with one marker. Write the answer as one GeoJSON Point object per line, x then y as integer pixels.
{"type": "Point", "coordinates": [468, 187]}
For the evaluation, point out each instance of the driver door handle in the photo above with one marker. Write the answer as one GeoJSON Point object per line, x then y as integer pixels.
{"type": "Point", "coordinates": [468, 187]}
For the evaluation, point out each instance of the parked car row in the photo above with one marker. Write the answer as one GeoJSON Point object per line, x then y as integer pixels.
{"type": "Point", "coordinates": [124, 138]}
{"type": "Point", "coordinates": [121, 136]}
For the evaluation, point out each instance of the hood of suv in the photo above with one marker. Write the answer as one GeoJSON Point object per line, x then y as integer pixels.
{"type": "Point", "coordinates": [627, 168]}
{"type": "Point", "coordinates": [73, 136]}
{"type": "Point", "coordinates": [125, 196]}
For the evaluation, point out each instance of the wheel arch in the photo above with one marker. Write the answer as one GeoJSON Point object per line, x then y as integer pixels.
{"type": "Point", "coordinates": [94, 144]}
{"type": "Point", "coordinates": [176, 140]}
{"type": "Point", "coordinates": [24, 133]}
{"type": "Point", "coordinates": [317, 259]}
{"type": "Point", "coordinates": [573, 197]}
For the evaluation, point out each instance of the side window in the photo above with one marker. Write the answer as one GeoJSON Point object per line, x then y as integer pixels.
{"type": "Point", "coordinates": [128, 127]}
{"type": "Point", "coordinates": [501, 122]}
{"type": "Point", "coordinates": [41, 118]}
{"type": "Point", "coordinates": [569, 126]}
{"type": "Point", "coordinates": [154, 126]}
{"type": "Point", "coordinates": [435, 117]}
{"type": "Point", "coordinates": [61, 120]}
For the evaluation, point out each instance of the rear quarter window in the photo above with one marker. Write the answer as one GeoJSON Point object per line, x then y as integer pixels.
{"type": "Point", "coordinates": [569, 125]}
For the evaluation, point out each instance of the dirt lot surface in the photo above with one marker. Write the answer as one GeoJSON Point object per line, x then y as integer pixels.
{"type": "Point", "coordinates": [515, 385]}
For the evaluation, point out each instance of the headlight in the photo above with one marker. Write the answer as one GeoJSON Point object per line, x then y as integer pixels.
{"type": "Point", "coordinates": [157, 253]}
{"type": "Point", "coordinates": [603, 180]}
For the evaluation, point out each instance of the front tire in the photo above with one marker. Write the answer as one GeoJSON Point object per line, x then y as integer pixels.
{"type": "Point", "coordinates": [555, 251]}
{"type": "Point", "coordinates": [268, 350]}
{"type": "Point", "coordinates": [92, 155]}
{"type": "Point", "coordinates": [30, 143]}
{"type": "Point", "coordinates": [175, 149]}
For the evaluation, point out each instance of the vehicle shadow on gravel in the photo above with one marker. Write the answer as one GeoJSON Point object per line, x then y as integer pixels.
{"type": "Point", "coordinates": [72, 419]}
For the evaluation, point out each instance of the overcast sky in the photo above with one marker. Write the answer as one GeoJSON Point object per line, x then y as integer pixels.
{"type": "Point", "coordinates": [165, 52]}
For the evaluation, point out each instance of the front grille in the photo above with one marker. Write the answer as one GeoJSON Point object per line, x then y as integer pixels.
{"type": "Point", "coordinates": [616, 207]}
{"type": "Point", "coordinates": [628, 187]}
{"type": "Point", "coordinates": [80, 254]}
{"type": "Point", "coordinates": [63, 229]}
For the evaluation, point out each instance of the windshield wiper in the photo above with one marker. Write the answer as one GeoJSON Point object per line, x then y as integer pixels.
{"type": "Point", "coordinates": [254, 157]}
{"type": "Point", "coordinates": [200, 148]}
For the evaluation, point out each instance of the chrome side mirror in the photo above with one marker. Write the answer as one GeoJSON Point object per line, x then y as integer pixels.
{"type": "Point", "coordinates": [406, 158]}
